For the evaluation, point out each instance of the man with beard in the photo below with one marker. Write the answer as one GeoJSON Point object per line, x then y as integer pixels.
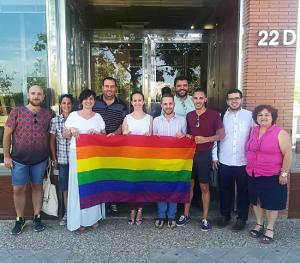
{"type": "Point", "coordinates": [113, 111]}
{"type": "Point", "coordinates": [25, 148]}
{"type": "Point", "coordinates": [183, 102]}
{"type": "Point", "coordinates": [207, 128]}
{"type": "Point", "coordinates": [168, 124]}
{"type": "Point", "coordinates": [238, 123]}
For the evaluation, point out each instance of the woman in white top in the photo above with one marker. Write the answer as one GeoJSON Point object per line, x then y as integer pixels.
{"type": "Point", "coordinates": [137, 123]}
{"type": "Point", "coordinates": [88, 122]}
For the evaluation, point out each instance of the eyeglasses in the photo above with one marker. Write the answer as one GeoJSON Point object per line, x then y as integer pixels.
{"type": "Point", "coordinates": [198, 122]}
{"type": "Point", "coordinates": [232, 99]}
{"type": "Point", "coordinates": [35, 119]}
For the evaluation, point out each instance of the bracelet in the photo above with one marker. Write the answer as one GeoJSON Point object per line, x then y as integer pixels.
{"type": "Point", "coordinates": [284, 174]}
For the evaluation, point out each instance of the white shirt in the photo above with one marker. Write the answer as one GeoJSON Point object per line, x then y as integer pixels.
{"type": "Point", "coordinates": [84, 125]}
{"type": "Point", "coordinates": [138, 126]}
{"type": "Point", "coordinates": [164, 127]}
{"type": "Point", "coordinates": [232, 149]}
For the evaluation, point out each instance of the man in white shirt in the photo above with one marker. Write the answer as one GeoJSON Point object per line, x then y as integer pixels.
{"type": "Point", "coordinates": [168, 124]}
{"type": "Point", "coordinates": [238, 123]}
{"type": "Point", "coordinates": [183, 102]}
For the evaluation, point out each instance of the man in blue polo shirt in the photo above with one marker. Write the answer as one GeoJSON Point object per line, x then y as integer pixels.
{"type": "Point", "coordinates": [113, 111]}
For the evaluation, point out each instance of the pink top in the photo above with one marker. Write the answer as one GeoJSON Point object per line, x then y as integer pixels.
{"type": "Point", "coordinates": [264, 157]}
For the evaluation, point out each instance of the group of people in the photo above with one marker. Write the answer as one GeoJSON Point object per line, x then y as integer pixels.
{"type": "Point", "coordinates": [247, 148]}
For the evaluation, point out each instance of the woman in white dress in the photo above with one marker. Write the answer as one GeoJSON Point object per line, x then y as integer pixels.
{"type": "Point", "coordinates": [137, 123]}
{"type": "Point", "coordinates": [79, 122]}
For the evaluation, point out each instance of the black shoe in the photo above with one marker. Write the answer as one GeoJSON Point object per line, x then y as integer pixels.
{"type": "Point", "coordinates": [20, 224]}
{"type": "Point", "coordinates": [38, 225]}
{"type": "Point", "coordinates": [113, 210]}
{"type": "Point", "coordinates": [223, 221]}
{"type": "Point", "coordinates": [239, 225]}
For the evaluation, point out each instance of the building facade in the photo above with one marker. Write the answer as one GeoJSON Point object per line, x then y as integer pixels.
{"type": "Point", "coordinates": [68, 45]}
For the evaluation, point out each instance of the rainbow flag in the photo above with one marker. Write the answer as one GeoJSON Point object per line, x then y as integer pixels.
{"type": "Point", "coordinates": [133, 168]}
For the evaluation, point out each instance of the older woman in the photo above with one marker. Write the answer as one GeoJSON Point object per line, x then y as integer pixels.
{"type": "Point", "coordinates": [269, 157]}
{"type": "Point", "coordinates": [138, 123]}
{"type": "Point", "coordinates": [88, 122]}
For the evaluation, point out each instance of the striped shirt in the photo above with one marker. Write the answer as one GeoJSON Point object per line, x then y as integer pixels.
{"type": "Point", "coordinates": [113, 115]}
{"type": "Point", "coordinates": [164, 127]}
{"type": "Point", "coordinates": [62, 145]}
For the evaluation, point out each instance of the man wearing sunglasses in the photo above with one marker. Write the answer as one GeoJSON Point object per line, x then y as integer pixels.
{"type": "Point", "coordinates": [206, 127]}
{"type": "Point", "coordinates": [26, 152]}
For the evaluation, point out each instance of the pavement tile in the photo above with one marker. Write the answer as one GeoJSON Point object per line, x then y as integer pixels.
{"type": "Point", "coordinates": [4, 254]}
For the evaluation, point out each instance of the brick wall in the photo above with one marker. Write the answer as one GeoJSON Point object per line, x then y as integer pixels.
{"type": "Point", "coordinates": [269, 72]}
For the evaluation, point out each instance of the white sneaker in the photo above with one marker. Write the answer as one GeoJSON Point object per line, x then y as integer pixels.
{"type": "Point", "coordinates": [63, 221]}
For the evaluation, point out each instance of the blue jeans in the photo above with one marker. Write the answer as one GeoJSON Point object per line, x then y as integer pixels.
{"type": "Point", "coordinates": [21, 174]}
{"type": "Point", "coordinates": [166, 210]}
{"type": "Point", "coordinates": [63, 177]}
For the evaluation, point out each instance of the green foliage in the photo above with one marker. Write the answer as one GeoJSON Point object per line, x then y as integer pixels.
{"type": "Point", "coordinates": [41, 43]}
{"type": "Point", "coordinates": [5, 82]}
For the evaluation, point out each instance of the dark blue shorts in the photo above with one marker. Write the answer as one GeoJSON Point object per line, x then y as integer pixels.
{"type": "Point", "coordinates": [63, 177]}
{"type": "Point", "coordinates": [202, 166]}
{"type": "Point", "coordinates": [266, 189]}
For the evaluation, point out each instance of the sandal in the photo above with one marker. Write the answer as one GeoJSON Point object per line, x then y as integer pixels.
{"type": "Point", "coordinates": [257, 233]}
{"type": "Point", "coordinates": [95, 226]}
{"type": "Point", "coordinates": [139, 215]}
{"type": "Point", "coordinates": [159, 223]}
{"type": "Point", "coordinates": [267, 239]}
{"type": "Point", "coordinates": [171, 223]}
{"type": "Point", "coordinates": [131, 219]}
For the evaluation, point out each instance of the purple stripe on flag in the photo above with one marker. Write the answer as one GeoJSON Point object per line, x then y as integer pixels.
{"type": "Point", "coordinates": [124, 197]}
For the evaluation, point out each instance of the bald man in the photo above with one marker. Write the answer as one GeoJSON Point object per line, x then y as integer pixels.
{"type": "Point", "coordinates": [26, 151]}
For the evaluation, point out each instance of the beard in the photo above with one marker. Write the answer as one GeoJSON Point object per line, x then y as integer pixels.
{"type": "Point", "coordinates": [35, 103]}
{"type": "Point", "coordinates": [235, 108]}
{"type": "Point", "coordinates": [181, 93]}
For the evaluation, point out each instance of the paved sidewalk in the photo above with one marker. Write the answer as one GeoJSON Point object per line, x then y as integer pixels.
{"type": "Point", "coordinates": [116, 241]}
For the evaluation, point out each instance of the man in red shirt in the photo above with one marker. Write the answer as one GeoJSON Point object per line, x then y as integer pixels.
{"type": "Point", "coordinates": [206, 127]}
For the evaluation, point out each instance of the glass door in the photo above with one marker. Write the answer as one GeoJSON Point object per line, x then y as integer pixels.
{"type": "Point", "coordinates": [148, 61]}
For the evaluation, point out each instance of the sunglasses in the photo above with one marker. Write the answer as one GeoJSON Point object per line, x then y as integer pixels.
{"type": "Point", "coordinates": [35, 119]}
{"type": "Point", "coordinates": [198, 122]}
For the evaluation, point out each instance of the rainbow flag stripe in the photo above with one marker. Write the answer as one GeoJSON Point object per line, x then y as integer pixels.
{"type": "Point", "coordinates": [133, 168]}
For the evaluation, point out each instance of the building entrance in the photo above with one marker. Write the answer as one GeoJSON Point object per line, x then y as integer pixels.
{"type": "Point", "coordinates": [148, 61]}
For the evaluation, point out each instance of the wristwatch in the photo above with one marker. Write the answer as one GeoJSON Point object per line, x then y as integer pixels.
{"type": "Point", "coordinates": [284, 174]}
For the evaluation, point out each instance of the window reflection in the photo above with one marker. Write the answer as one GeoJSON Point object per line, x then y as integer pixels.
{"type": "Point", "coordinates": [23, 54]}
{"type": "Point", "coordinates": [120, 60]}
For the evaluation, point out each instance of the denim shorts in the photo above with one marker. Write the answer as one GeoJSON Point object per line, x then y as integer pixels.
{"type": "Point", "coordinates": [63, 177]}
{"type": "Point", "coordinates": [21, 174]}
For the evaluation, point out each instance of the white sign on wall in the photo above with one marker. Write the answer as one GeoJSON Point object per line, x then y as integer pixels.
{"type": "Point", "coordinates": [271, 38]}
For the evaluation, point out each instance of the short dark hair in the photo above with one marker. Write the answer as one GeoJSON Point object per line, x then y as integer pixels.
{"type": "Point", "coordinates": [167, 95]}
{"type": "Point", "coordinates": [231, 91]}
{"type": "Point", "coordinates": [69, 96]}
{"type": "Point", "coordinates": [109, 78]}
{"type": "Point", "coordinates": [200, 90]}
{"type": "Point", "coordinates": [269, 108]}
{"type": "Point", "coordinates": [166, 90]}
{"type": "Point", "coordinates": [85, 94]}
{"type": "Point", "coordinates": [180, 78]}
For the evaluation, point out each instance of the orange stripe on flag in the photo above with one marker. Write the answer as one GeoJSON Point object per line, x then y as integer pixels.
{"type": "Point", "coordinates": [84, 152]}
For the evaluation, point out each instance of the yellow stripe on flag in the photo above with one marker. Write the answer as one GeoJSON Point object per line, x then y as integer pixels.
{"type": "Point", "coordinates": [133, 164]}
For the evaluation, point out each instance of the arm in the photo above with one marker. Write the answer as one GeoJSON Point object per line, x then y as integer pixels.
{"type": "Point", "coordinates": [285, 145]}
{"type": "Point", "coordinates": [151, 126]}
{"type": "Point", "coordinates": [125, 127]}
{"type": "Point", "coordinates": [52, 146]}
{"type": "Point", "coordinates": [220, 134]}
{"type": "Point", "coordinates": [6, 147]}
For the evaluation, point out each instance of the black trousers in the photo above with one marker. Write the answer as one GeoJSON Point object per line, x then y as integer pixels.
{"type": "Point", "coordinates": [228, 177]}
